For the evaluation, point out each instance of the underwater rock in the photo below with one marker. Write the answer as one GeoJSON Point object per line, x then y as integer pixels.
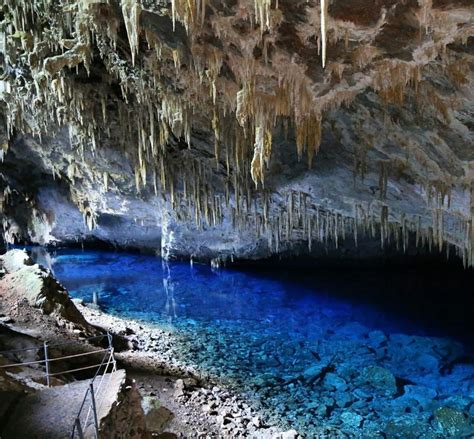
{"type": "Point", "coordinates": [316, 372]}
{"type": "Point", "coordinates": [352, 420]}
{"type": "Point", "coordinates": [379, 379]}
{"type": "Point", "coordinates": [452, 421]}
{"type": "Point", "coordinates": [408, 426]}
{"type": "Point", "coordinates": [376, 338]}
{"type": "Point", "coordinates": [334, 381]}
{"type": "Point", "coordinates": [343, 399]}
{"type": "Point", "coordinates": [423, 395]}
{"type": "Point", "coordinates": [428, 362]}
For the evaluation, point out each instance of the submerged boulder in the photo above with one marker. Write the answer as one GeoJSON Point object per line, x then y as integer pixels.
{"type": "Point", "coordinates": [378, 379]}
{"type": "Point", "coordinates": [453, 422]}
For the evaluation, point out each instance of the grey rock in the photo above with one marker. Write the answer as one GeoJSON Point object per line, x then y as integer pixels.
{"type": "Point", "coordinates": [179, 388]}
{"type": "Point", "coordinates": [343, 399]}
{"type": "Point", "coordinates": [335, 381]}
{"type": "Point", "coordinates": [376, 338]}
{"type": "Point", "coordinates": [409, 426]}
{"type": "Point", "coordinates": [313, 372]}
{"type": "Point", "coordinates": [423, 395]}
{"type": "Point", "coordinates": [428, 362]}
{"type": "Point", "coordinates": [290, 434]}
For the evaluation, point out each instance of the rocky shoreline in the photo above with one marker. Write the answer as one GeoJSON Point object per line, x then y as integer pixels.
{"type": "Point", "coordinates": [350, 387]}
{"type": "Point", "coordinates": [205, 406]}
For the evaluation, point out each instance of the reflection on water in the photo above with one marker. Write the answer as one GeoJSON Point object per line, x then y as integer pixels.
{"type": "Point", "coordinates": [168, 286]}
{"type": "Point", "coordinates": [374, 335]}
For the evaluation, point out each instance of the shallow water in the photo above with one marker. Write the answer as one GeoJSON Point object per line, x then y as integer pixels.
{"type": "Point", "coordinates": [366, 354]}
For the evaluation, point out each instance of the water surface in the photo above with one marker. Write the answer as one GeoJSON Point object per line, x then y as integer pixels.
{"type": "Point", "coordinates": [363, 352]}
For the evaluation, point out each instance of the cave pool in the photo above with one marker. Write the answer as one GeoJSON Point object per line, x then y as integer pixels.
{"type": "Point", "coordinates": [347, 353]}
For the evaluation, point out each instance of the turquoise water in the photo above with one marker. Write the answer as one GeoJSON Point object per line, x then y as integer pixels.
{"type": "Point", "coordinates": [361, 353]}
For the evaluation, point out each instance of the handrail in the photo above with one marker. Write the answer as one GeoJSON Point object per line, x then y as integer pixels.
{"type": "Point", "coordinates": [93, 407]}
{"type": "Point", "coordinates": [13, 351]}
{"type": "Point", "coordinates": [50, 360]}
{"type": "Point", "coordinates": [76, 370]}
{"type": "Point", "coordinates": [94, 392]}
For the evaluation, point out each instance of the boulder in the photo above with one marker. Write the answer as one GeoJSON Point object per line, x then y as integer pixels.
{"type": "Point", "coordinates": [409, 427]}
{"type": "Point", "coordinates": [15, 260]}
{"type": "Point", "coordinates": [452, 421]}
{"type": "Point", "coordinates": [423, 395]}
{"type": "Point", "coordinates": [351, 420]}
{"type": "Point", "coordinates": [379, 379]}
{"type": "Point", "coordinates": [290, 434]}
{"type": "Point", "coordinates": [156, 415]}
{"type": "Point", "coordinates": [36, 285]}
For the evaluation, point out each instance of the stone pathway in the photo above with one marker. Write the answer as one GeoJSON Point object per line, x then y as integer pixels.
{"type": "Point", "coordinates": [50, 413]}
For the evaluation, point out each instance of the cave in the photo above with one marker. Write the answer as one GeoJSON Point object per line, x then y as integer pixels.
{"type": "Point", "coordinates": [237, 219]}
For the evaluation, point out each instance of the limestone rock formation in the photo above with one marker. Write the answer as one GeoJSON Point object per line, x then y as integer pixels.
{"type": "Point", "coordinates": [24, 280]}
{"type": "Point", "coordinates": [211, 128]}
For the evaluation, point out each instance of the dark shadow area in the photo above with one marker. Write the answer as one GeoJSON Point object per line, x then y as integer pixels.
{"type": "Point", "coordinates": [435, 293]}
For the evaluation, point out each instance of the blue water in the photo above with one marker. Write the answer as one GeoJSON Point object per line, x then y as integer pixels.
{"type": "Point", "coordinates": [260, 331]}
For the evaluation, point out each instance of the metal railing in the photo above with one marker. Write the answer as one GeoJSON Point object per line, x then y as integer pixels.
{"type": "Point", "coordinates": [83, 420]}
{"type": "Point", "coordinates": [95, 397]}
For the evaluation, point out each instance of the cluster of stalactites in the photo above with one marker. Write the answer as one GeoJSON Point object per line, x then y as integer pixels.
{"type": "Point", "coordinates": [296, 218]}
{"type": "Point", "coordinates": [55, 99]}
{"type": "Point", "coordinates": [300, 220]}
{"type": "Point", "coordinates": [189, 12]}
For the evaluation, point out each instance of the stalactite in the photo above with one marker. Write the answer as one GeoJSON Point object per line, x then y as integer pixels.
{"type": "Point", "coordinates": [262, 14]}
{"type": "Point", "coordinates": [216, 126]}
{"type": "Point", "coordinates": [106, 181]}
{"type": "Point", "coordinates": [243, 111]}
{"type": "Point", "coordinates": [131, 10]}
{"type": "Point", "coordinates": [356, 224]}
{"type": "Point", "coordinates": [261, 157]}
{"type": "Point", "coordinates": [383, 178]}
{"type": "Point", "coordinates": [384, 224]}
{"type": "Point", "coordinates": [324, 14]}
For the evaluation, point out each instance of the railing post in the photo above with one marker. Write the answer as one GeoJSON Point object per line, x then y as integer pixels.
{"type": "Point", "coordinates": [111, 349]}
{"type": "Point", "coordinates": [94, 411]}
{"type": "Point", "coordinates": [79, 428]}
{"type": "Point", "coordinates": [109, 338]}
{"type": "Point", "coordinates": [46, 362]}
